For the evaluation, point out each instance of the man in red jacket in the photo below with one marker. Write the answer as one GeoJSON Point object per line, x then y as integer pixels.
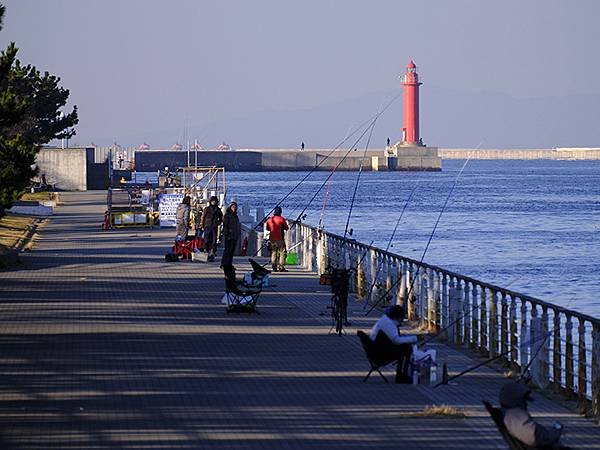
{"type": "Point", "coordinates": [276, 226]}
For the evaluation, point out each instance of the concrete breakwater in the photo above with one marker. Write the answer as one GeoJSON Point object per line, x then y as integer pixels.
{"type": "Point", "coordinates": [545, 153]}
{"type": "Point", "coordinates": [397, 158]}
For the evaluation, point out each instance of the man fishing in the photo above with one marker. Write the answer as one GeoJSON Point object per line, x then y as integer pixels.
{"type": "Point", "coordinates": [277, 226]}
{"type": "Point", "coordinates": [390, 345]}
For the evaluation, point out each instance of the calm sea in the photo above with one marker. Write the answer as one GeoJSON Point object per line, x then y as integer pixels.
{"type": "Point", "coordinates": [533, 226]}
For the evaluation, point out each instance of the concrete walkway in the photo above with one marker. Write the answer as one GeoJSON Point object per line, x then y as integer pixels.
{"type": "Point", "coordinates": [104, 345]}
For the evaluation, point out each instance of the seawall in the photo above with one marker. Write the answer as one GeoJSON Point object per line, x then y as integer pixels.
{"type": "Point", "coordinates": [545, 153]}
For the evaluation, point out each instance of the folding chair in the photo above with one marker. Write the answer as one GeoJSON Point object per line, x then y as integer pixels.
{"type": "Point", "coordinates": [237, 300]}
{"type": "Point", "coordinates": [513, 443]}
{"type": "Point", "coordinates": [375, 362]}
{"type": "Point", "coordinates": [259, 277]}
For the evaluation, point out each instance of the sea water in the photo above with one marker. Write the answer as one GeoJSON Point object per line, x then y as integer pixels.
{"type": "Point", "coordinates": [531, 226]}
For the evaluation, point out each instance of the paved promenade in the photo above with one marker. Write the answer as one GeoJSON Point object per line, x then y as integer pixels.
{"type": "Point", "coordinates": [104, 345]}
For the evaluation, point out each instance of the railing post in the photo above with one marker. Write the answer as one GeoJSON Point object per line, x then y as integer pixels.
{"type": "Point", "coordinates": [493, 329]}
{"type": "Point", "coordinates": [452, 306]}
{"type": "Point", "coordinates": [361, 276]}
{"type": "Point", "coordinates": [504, 324]}
{"type": "Point", "coordinates": [557, 369]}
{"type": "Point", "coordinates": [474, 315]}
{"type": "Point", "coordinates": [437, 299]}
{"type": "Point", "coordinates": [483, 322]}
{"type": "Point", "coordinates": [399, 282]}
{"type": "Point", "coordinates": [423, 306]}
{"type": "Point", "coordinates": [523, 350]}
{"type": "Point", "coordinates": [539, 347]}
{"type": "Point", "coordinates": [373, 268]}
{"type": "Point", "coordinates": [513, 339]}
{"type": "Point", "coordinates": [569, 362]}
{"type": "Point", "coordinates": [596, 369]}
{"type": "Point", "coordinates": [403, 273]}
{"type": "Point", "coordinates": [445, 319]}
{"type": "Point", "coordinates": [410, 295]}
{"type": "Point", "coordinates": [544, 353]}
{"type": "Point", "coordinates": [466, 312]}
{"type": "Point", "coordinates": [461, 305]}
{"type": "Point", "coordinates": [581, 367]}
{"type": "Point", "coordinates": [431, 307]}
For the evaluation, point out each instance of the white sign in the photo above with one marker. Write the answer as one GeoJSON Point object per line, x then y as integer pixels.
{"type": "Point", "coordinates": [167, 207]}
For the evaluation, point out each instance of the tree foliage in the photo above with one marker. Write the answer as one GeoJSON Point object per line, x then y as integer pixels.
{"type": "Point", "coordinates": [30, 104]}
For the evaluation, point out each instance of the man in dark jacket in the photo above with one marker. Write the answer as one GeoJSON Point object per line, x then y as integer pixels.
{"type": "Point", "coordinates": [212, 217]}
{"type": "Point", "coordinates": [231, 234]}
{"type": "Point", "coordinates": [518, 422]}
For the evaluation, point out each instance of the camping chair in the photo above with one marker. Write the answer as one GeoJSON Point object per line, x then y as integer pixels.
{"type": "Point", "coordinates": [513, 443]}
{"type": "Point", "coordinates": [259, 277]}
{"type": "Point", "coordinates": [235, 299]}
{"type": "Point", "coordinates": [374, 361]}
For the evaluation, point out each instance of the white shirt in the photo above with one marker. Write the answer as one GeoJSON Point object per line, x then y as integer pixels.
{"type": "Point", "coordinates": [390, 328]}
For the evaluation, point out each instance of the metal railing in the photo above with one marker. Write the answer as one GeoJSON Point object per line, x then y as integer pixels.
{"type": "Point", "coordinates": [489, 319]}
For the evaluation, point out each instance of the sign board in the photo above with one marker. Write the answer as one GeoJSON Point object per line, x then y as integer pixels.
{"type": "Point", "coordinates": [167, 207]}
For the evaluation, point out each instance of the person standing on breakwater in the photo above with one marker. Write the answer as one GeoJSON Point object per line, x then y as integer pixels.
{"type": "Point", "coordinates": [390, 345]}
{"type": "Point", "coordinates": [231, 234]}
{"type": "Point", "coordinates": [182, 218]}
{"type": "Point", "coordinates": [276, 226]}
{"type": "Point", "coordinates": [212, 217]}
{"type": "Point", "coordinates": [302, 146]}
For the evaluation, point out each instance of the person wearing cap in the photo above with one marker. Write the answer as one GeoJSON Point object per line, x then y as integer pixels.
{"type": "Point", "coordinates": [277, 226]}
{"type": "Point", "coordinates": [182, 218]}
{"type": "Point", "coordinates": [231, 234]}
{"type": "Point", "coordinates": [212, 217]}
{"type": "Point", "coordinates": [519, 423]}
{"type": "Point", "coordinates": [390, 345]}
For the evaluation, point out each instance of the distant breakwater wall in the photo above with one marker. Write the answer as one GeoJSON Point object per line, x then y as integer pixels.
{"type": "Point", "coordinates": [546, 153]}
{"type": "Point", "coordinates": [405, 158]}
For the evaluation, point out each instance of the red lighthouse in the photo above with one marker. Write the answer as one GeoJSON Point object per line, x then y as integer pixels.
{"type": "Point", "coordinates": [410, 81]}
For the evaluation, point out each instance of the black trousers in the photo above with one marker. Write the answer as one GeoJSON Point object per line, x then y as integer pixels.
{"type": "Point", "coordinates": [228, 251]}
{"type": "Point", "coordinates": [387, 352]}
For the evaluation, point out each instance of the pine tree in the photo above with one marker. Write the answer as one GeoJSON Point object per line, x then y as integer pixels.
{"type": "Point", "coordinates": [29, 117]}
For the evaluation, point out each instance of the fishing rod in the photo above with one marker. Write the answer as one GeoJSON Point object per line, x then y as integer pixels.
{"type": "Point", "coordinates": [360, 167]}
{"type": "Point", "coordinates": [483, 363]}
{"type": "Point", "coordinates": [310, 172]}
{"type": "Point", "coordinates": [345, 156]}
{"type": "Point", "coordinates": [428, 242]}
{"type": "Point", "coordinates": [389, 244]}
{"type": "Point", "coordinates": [299, 218]}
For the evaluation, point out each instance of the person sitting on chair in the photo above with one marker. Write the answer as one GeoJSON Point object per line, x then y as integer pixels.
{"type": "Point", "coordinates": [390, 345]}
{"type": "Point", "coordinates": [519, 423]}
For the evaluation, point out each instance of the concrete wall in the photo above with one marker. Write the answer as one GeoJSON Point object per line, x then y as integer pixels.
{"type": "Point", "coordinates": [152, 160]}
{"type": "Point", "coordinates": [546, 153]}
{"type": "Point", "coordinates": [66, 168]}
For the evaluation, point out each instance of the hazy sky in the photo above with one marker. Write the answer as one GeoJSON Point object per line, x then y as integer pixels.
{"type": "Point", "coordinates": [138, 69]}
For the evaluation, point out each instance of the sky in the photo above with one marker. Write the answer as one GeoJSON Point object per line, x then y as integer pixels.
{"type": "Point", "coordinates": [273, 73]}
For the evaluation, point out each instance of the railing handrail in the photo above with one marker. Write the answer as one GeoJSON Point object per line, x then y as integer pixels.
{"type": "Point", "coordinates": [467, 278]}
